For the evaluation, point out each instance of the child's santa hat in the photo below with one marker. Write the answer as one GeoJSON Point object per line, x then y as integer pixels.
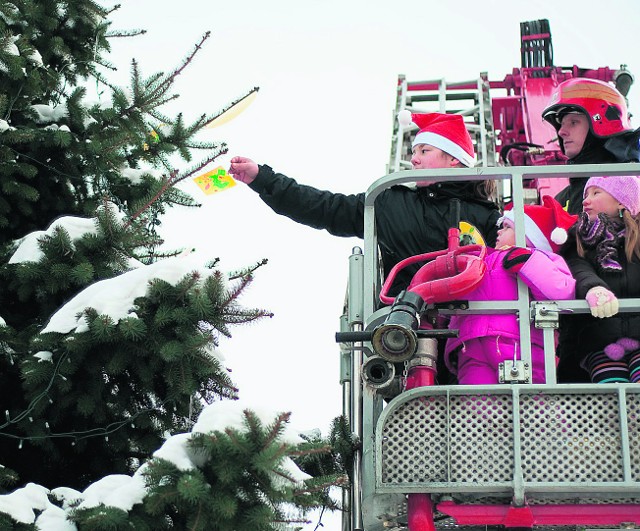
{"type": "Point", "coordinates": [545, 225]}
{"type": "Point", "coordinates": [443, 131]}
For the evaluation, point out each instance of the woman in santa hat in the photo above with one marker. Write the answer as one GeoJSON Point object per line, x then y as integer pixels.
{"type": "Point", "coordinates": [485, 341]}
{"type": "Point", "coordinates": [409, 220]}
{"type": "Point", "coordinates": [603, 253]}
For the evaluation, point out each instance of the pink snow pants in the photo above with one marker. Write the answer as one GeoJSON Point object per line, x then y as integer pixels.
{"type": "Point", "coordinates": [479, 358]}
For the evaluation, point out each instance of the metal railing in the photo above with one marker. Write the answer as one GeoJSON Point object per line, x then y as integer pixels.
{"type": "Point", "coordinates": [372, 497]}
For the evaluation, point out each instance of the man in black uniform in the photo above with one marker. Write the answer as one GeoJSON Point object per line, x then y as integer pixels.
{"type": "Point", "coordinates": [593, 127]}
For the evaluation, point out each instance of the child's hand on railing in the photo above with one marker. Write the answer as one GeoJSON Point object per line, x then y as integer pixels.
{"type": "Point", "coordinates": [602, 302]}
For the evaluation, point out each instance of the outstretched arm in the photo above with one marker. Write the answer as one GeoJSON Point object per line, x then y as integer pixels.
{"type": "Point", "coordinates": [339, 214]}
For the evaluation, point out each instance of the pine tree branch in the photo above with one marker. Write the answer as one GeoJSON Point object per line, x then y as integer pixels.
{"type": "Point", "coordinates": [321, 450]}
{"type": "Point", "coordinates": [338, 482]}
{"type": "Point", "coordinates": [124, 33]}
{"type": "Point", "coordinates": [190, 57]}
{"type": "Point", "coordinates": [169, 182]}
{"type": "Point", "coordinates": [278, 426]}
{"type": "Point", "coordinates": [228, 107]}
{"type": "Point", "coordinates": [196, 523]}
{"type": "Point", "coordinates": [293, 521]}
{"type": "Point", "coordinates": [113, 9]}
{"type": "Point", "coordinates": [7, 115]}
{"type": "Point", "coordinates": [249, 271]}
{"type": "Point", "coordinates": [166, 83]}
{"type": "Point", "coordinates": [235, 293]}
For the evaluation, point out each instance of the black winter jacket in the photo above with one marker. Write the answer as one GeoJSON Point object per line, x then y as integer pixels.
{"type": "Point", "coordinates": [571, 196]}
{"type": "Point", "coordinates": [582, 334]}
{"type": "Point", "coordinates": [617, 149]}
{"type": "Point", "coordinates": [408, 221]}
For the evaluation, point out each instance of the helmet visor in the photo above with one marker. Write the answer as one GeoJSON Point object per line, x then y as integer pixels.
{"type": "Point", "coordinates": [556, 114]}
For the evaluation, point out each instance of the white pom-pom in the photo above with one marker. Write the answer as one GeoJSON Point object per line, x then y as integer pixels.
{"type": "Point", "coordinates": [404, 117]}
{"type": "Point", "coordinates": [558, 235]}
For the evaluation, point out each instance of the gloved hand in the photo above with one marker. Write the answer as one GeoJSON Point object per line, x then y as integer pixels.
{"type": "Point", "coordinates": [602, 302]}
{"type": "Point", "coordinates": [616, 351]}
{"type": "Point", "coordinates": [515, 258]}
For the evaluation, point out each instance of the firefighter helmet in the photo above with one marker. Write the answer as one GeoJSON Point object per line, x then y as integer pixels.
{"type": "Point", "coordinates": [605, 107]}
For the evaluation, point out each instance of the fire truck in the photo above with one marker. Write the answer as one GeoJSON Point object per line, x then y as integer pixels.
{"type": "Point", "coordinates": [512, 455]}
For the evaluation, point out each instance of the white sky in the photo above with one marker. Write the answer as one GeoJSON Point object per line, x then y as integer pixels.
{"type": "Point", "coordinates": [327, 73]}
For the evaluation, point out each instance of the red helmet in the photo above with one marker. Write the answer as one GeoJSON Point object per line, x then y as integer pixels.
{"type": "Point", "coordinates": [601, 102]}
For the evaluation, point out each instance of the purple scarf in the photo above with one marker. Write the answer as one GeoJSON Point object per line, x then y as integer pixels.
{"type": "Point", "coordinates": [605, 235]}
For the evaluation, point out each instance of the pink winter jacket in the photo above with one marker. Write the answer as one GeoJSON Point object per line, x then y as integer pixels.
{"type": "Point", "coordinates": [548, 278]}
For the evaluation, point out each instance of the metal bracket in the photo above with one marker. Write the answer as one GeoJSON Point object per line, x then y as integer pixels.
{"type": "Point", "coordinates": [545, 314]}
{"type": "Point", "coordinates": [510, 371]}
{"type": "Point", "coordinates": [452, 305]}
{"type": "Point", "coordinates": [357, 348]}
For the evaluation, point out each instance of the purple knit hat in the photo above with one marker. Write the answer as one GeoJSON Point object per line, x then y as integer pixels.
{"type": "Point", "coordinates": [624, 189]}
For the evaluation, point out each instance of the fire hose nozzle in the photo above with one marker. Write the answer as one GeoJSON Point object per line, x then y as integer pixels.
{"type": "Point", "coordinates": [394, 342]}
{"type": "Point", "coordinates": [378, 373]}
{"type": "Point", "coordinates": [396, 339]}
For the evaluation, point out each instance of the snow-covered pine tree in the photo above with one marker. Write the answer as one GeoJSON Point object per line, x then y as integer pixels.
{"type": "Point", "coordinates": [108, 346]}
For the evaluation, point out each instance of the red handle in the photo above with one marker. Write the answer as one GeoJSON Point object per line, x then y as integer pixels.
{"type": "Point", "coordinates": [447, 275]}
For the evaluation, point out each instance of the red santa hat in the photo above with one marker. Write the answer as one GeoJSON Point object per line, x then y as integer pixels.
{"type": "Point", "coordinates": [443, 131]}
{"type": "Point", "coordinates": [545, 225]}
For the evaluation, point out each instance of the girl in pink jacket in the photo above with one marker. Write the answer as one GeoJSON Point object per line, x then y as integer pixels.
{"type": "Point", "coordinates": [485, 341]}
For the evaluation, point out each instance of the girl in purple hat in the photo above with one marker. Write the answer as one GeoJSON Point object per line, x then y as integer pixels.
{"type": "Point", "coordinates": [604, 257]}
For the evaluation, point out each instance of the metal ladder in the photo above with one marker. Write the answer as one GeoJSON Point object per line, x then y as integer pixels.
{"type": "Point", "coordinates": [472, 101]}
